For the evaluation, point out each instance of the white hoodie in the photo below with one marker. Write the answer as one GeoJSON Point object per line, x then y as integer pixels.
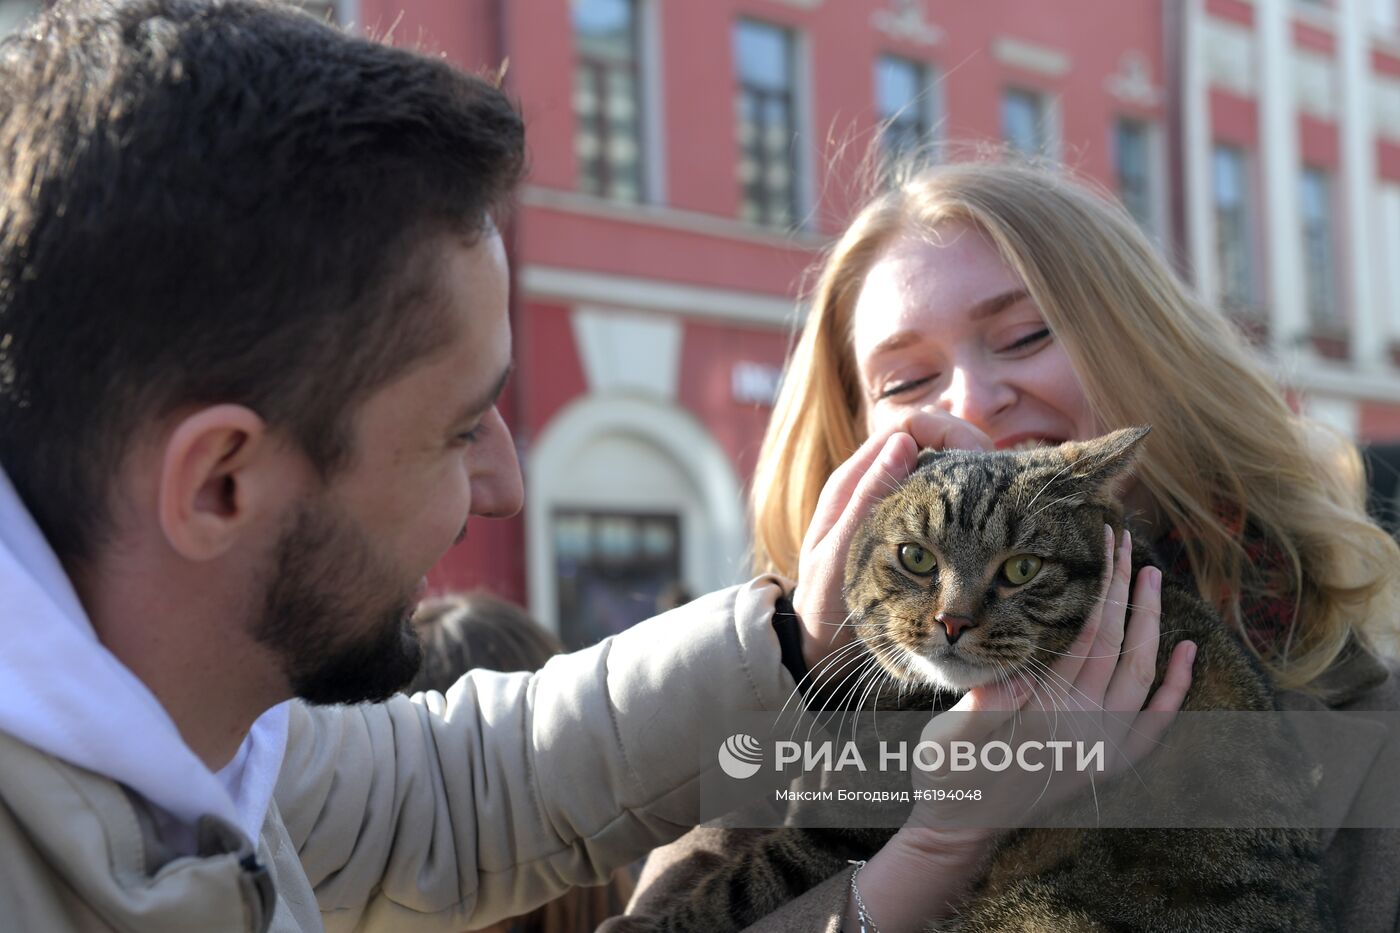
{"type": "Point", "coordinates": [63, 692]}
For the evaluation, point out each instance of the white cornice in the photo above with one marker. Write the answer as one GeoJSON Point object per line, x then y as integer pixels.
{"type": "Point", "coordinates": [1031, 56]}
{"type": "Point", "coordinates": [669, 217]}
{"type": "Point", "coordinates": [618, 291]}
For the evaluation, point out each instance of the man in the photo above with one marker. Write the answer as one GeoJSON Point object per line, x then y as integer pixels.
{"type": "Point", "coordinates": [252, 332]}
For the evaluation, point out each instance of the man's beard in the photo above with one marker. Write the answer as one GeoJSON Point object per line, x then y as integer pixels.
{"type": "Point", "coordinates": [334, 613]}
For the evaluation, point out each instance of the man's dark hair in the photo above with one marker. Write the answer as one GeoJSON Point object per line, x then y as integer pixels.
{"type": "Point", "coordinates": [208, 201]}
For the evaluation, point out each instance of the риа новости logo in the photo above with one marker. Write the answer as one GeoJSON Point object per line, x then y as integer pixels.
{"type": "Point", "coordinates": [740, 756]}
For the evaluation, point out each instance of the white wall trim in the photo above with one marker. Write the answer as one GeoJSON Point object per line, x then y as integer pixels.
{"type": "Point", "coordinates": [907, 21]}
{"type": "Point", "coordinates": [1304, 371]}
{"type": "Point", "coordinates": [1360, 217]}
{"type": "Point", "coordinates": [1281, 162]}
{"type": "Point", "coordinates": [624, 351]}
{"type": "Point", "coordinates": [618, 291]}
{"type": "Point", "coordinates": [1198, 146]}
{"type": "Point", "coordinates": [576, 202]}
{"type": "Point", "coordinates": [1132, 82]}
{"type": "Point", "coordinates": [672, 431]}
{"type": "Point", "coordinates": [1231, 53]}
{"type": "Point", "coordinates": [1031, 56]}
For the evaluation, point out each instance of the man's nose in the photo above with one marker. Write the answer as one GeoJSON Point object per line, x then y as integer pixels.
{"type": "Point", "coordinates": [498, 490]}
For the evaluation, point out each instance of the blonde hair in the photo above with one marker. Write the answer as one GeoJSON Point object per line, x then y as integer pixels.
{"type": "Point", "coordinates": [1225, 448]}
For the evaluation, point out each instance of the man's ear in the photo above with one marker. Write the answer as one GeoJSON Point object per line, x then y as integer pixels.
{"type": "Point", "coordinates": [217, 473]}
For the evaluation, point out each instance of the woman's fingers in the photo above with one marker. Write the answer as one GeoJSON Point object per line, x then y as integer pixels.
{"type": "Point", "coordinates": [839, 487]}
{"type": "Point", "coordinates": [1137, 668]}
{"type": "Point", "coordinates": [1064, 672]}
{"type": "Point", "coordinates": [1171, 693]}
{"type": "Point", "coordinates": [1102, 662]}
{"type": "Point", "coordinates": [822, 565]}
{"type": "Point", "coordinates": [1160, 712]}
{"type": "Point", "coordinates": [933, 428]}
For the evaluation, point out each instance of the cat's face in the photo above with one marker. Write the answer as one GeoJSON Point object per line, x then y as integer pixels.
{"type": "Point", "coordinates": [984, 564]}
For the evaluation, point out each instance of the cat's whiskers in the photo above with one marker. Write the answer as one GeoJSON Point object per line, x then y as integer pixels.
{"type": "Point", "coordinates": [1051, 503]}
{"type": "Point", "coordinates": [827, 665]}
{"type": "Point", "coordinates": [861, 669]}
{"type": "Point", "coordinates": [867, 673]}
{"type": "Point", "coordinates": [1058, 474]}
{"type": "Point", "coordinates": [839, 660]}
{"type": "Point", "coordinates": [1116, 716]}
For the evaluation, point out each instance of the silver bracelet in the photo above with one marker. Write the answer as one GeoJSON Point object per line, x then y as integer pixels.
{"type": "Point", "coordinates": [866, 924]}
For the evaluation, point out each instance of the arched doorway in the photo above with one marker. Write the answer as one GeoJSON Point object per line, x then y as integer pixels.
{"type": "Point", "coordinates": [625, 497]}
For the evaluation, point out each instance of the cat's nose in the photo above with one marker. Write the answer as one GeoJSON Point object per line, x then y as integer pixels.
{"type": "Point", "coordinates": [953, 625]}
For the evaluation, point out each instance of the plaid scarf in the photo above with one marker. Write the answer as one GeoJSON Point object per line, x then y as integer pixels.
{"type": "Point", "coordinates": [1265, 608]}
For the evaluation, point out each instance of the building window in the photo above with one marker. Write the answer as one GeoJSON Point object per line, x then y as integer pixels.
{"type": "Point", "coordinates": [607, 98]}
{"type": "Point", "coordinates": [327, 11]}
{"type": "Point", "coordinates": [764, 58]}
{"type": "Point", "coordinates": [1385, 15]}
{"type": "Point", "coordinates": [901, 97]}
{"type": "Point", "coordinates": [613, 568]}
{"type": "Point", "coordinates": [1025, 121]}
{"type": "Point", "coordinates": [1316, 204]}
{"type": "Point", "coordinates": [14, 14]}
{"type": "Point", "coordinates": [1233, 249]}
{"type": "Point", "coordinates": [1132, 159]}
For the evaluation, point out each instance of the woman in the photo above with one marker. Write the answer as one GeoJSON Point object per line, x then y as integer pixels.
{"type": "Point", "coordinates": [1010, 304]}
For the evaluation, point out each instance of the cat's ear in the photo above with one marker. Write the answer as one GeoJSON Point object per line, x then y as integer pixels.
{"type": "Point", "coordinates": [1102, 461]}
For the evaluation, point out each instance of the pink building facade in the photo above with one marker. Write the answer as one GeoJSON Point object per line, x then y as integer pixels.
{"type": "Point", "coordinates": [691, 158]}
{"type": "Point", "coordinates": [689, 161]}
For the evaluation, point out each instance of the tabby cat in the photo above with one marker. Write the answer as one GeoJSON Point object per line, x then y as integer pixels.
{"type": "Point", "coordinates": [1015, 538]}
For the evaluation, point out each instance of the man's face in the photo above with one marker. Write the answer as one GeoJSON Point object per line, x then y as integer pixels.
{"type": "Point", "coordinates": [431, 449]}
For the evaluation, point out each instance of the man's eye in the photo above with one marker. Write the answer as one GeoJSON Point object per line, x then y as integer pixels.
{"type": "Point", "coordinates": [900, 388]}
{"type": "Point", "coordinates": [467, 437]}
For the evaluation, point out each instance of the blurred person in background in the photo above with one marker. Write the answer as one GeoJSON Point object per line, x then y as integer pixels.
{"type": "Point", "coordinates": [479, 631]}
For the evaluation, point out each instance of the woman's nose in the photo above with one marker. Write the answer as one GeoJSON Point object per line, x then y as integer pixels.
{"type": "Point", "coordinates": [976, 397]}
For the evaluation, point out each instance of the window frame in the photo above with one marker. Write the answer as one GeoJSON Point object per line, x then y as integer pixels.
{"type": "Point", "coordinates": [1248, 301]}
{"type": "Point", "coordinates": [599, 70]}
{"type": "Point", "coordinates": [1319, 239]}
{"type": "Point", "coordinates": [923, 106]}
{"type": "Point", "coordinates": [756, 96]}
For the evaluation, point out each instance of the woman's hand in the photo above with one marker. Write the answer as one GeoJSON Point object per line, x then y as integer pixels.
{"type": "Point", "coordinates": [873, 471]}
{"type": "Point", "coordinates": [925, 868]}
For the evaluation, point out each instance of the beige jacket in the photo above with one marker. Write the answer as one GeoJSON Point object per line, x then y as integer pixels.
{"type": "Point", "coordinates": [437, 813]}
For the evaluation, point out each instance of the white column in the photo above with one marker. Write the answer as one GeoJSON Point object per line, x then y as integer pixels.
{"type": "Point", "coordinates": [1360, 191]}
{"type": "Point", "coordinates": [1278, 155]}
{"type": "Point", "coordinates": [1196, 148]}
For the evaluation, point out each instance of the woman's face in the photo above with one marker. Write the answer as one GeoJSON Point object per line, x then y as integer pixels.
{"type": "Point", "coordinates": [951, 326]}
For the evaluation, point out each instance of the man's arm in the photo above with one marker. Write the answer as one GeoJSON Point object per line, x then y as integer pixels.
{"type": "Point", "coordinates": [511, 789]}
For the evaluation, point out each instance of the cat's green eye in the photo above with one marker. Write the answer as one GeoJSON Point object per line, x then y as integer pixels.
{"type": "Point", "coordinates": [917, 559]}
{"type": "Point", "coordinates": [1021, 569]}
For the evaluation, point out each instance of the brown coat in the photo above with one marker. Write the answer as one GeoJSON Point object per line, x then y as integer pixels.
{"type": "Point", "coordinates": [1363, 864]}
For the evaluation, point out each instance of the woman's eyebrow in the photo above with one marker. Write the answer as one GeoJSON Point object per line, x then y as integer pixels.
{"type": "Point", "coordinates": [988, 307]}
